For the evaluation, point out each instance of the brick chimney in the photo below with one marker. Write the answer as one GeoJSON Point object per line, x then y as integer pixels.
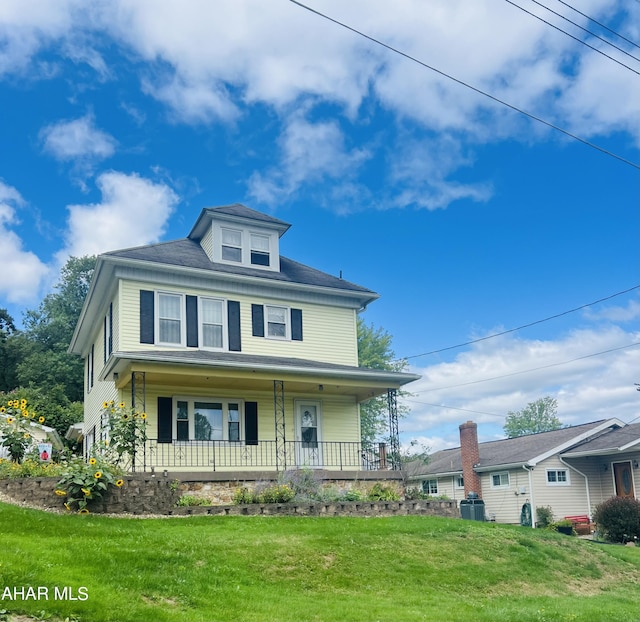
{"type": "Point", "coordinates": [470, 454]}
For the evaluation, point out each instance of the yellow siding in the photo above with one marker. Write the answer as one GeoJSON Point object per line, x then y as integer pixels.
{"type": "Point", "coordinates": [329, 333]}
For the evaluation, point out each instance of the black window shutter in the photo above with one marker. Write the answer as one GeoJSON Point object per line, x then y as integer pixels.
{"type": "Point", "coordinates": [233, 313]}
{"type": "Point", "coordinates": [104, 342]}
{"type": "Point", "coordinates": [92, 365]}
{"type": "Point", "coordinates": [110, 344]}
{"type": "Point", "coordinates": [257, 320]}
{"type": "Point", "coordinates": [146, 316]}
{"type": "Point", "coordinates": [251, 423]}
{"type": "Point", "coordinates": [165, 423]}
{"type": "Point", "coordinates": [296, 324]}
{"type": "Point", "coordinates": [192, 321]}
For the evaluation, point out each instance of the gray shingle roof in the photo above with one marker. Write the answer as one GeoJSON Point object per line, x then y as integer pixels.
{"type": "Point", "coordinates": [505, 451]}
{"type": "Point", "coordinates": [613, 441]}
{"type": "Point", "coordinates": [188, 253]}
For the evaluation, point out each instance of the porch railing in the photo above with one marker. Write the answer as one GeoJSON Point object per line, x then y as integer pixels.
{"type": "Point", "coordinates": [226, 455]}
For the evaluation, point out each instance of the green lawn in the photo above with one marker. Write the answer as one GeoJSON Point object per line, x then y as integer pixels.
{"type": "Point", "coordinates": [311, 569]}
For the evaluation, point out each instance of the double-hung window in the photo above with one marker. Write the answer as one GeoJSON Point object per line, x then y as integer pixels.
{"type": "Point", "coordinates": [170, 318]}
{"type": "Point", "coordinates": [231, 245]}
{"type": "Point", "coordinates": [430, 486]}
{"type": "Point", "coordinates": [212, 324]}
{"type": "Point", "coordinates": [277, 322]}
{"type": "Point", "coordinates": [557, 477]}
{"type": "Point", "coordinates": [260, 250]}
{"type": "Point", "coordinates": [207, 419]}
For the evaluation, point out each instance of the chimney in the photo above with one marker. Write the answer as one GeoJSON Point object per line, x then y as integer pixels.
{"type": "Point", "coordinates": [470, 453]}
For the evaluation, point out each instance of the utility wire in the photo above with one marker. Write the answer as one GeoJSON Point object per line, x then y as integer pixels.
{"type": "Point", "coordinates": [617, 34]}
{"type": "Point", "coordinates": [513, 330]}
{"type": "Point", "coordinates": [576, 38]}
{"type": "Point", "coordinates": [466, 410]}
{"type": "Point", "coordinates": [527, 371]}
{"type": "Point", "coordinates": [465, 84]}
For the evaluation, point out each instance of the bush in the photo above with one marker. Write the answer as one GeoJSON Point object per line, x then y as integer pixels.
{"type": "Point", "coordinates": [278, 493]}
{"type": "Point", "coordinates": [544, 516]}
{"type": "Point", "coordinates": [618, 519]}
{"type": "Point", "coordinates": [563, 526]}
{"type": "Point", "coordinates": [383, 492]}
{"type": "Point", "coordinates": [191, 500]}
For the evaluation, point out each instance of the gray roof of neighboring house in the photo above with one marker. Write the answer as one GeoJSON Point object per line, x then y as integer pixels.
{"type": "Point", "coordinates": [615, 441]}
{"type": "Point", "coordinates": [188, 253]}
{"type": "Point", "coordinates": [508, 451]}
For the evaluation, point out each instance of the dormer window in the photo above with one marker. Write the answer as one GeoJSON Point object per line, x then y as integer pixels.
{"type": "Point", "coordinates": [232, 245]}
{"type": "Point", "coordinates": [260, 251]}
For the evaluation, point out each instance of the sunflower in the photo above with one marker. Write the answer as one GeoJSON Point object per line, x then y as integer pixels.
{"type": "Point", "coordinates": [92, 461]}
{"type": "Point", "coordinates": [119, 483]}
{"type": "Point", "coordinates": [23, 403]}
{"type": "Point", "coordinates": [83, 511]}
{"type": "Point", "coordinates": [3, 409]}
{"type": "Point", "coordinates": [105, 404]}
{"type": "Point", "coordinates": [67, 507]}
{"type": "Point", "coordinates": [121, 405]}
{"type": "Point", "coordinates": [26, 435]}
{"type": "Point", "coordinates": [61, 493]}
{"type": "Point", "coordinates": [40, 419]}
{"type": "Point", "coordinates": [10, 419]}
{"type": "Point", "coordinates": [97, 474]}
{"type": "Point", "coordinates": [86, 491]}
{"type": "Point", "coordinates": [143, 416]}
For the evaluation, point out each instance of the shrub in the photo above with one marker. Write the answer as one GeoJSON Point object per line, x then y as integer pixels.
{"type": "Point", "coordinates": [278, 493]}
{"type": "Point", "coordinates": [563, 526]}
{"type": "Point", "coordinates": [618, 519]}
{"type": "Point", "coordinates": [383, 492]}
{"type": "Point", "coordinates": [29, 468]}
{"type": "Point", "coordinates": [305, 483]}
{"type": "Point", "coordinates": [544, 516]}
{"type": "Point", "coordinates": [243, 495]}
{"type": "Point", "coordinates": [191, 500]}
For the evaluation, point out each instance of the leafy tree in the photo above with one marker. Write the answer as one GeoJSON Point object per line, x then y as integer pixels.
{"type": "Point", "coordinates": [374, 351]}
{"type": "Point", "coordinates": [48, 332]}
{"type": "Point", "coordinates": [9, 354]}
{"type": "Point", "coordinates": [538, 416]}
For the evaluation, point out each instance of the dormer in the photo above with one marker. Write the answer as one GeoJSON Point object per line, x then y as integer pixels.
{"type": "Point", "coordinates": [239, 236]}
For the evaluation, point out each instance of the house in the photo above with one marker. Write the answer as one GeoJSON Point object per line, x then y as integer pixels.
{"type": "Point", "coordinates": [243, 360]}
{"type": "Point", "coordinates": [571, 470]}
{"type": "Point", "coordinates": [40, 433]}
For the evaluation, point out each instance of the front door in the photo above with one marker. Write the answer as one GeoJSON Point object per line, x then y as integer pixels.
{"type": "Point", "coordinates": [623, 478]}
{"type": "Point", "coordinates": [308, 434]}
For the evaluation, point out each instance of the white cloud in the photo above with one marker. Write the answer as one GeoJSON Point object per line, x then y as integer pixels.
{"type": "Point", "coordinates": [133, 211]}
{"type": "Point", "coordinates": [310, 154]}
{"type": "Point", "coordinates": [22, 272]}
{"type": "Point", "coordinates": [506, 373]}
{"type": "Point", "coordinates": [78, 139]}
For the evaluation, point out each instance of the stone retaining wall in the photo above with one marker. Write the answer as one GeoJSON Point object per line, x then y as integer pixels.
{"type": "Point", "coordinates": [142, 494]}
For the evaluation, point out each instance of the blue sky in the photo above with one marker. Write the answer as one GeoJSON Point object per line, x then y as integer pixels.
{"type": "Point", "coordinates": [121, 120]}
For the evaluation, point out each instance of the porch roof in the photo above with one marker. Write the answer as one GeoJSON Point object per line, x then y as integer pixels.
{"type": "Point", "coordinates": [618, 441]}
{"type": "Point", "coordinates": [237, 370]}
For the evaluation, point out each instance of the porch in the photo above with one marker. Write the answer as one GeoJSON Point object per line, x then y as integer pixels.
{"type": "Point", "coordinates": [270, 455]}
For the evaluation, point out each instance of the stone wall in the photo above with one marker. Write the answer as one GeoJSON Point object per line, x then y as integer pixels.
{"type": "Point", "coordinates": [144, 494]}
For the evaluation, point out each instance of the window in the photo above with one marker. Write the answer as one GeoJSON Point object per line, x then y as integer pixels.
{"type": "Point", "coordinates": [207, 419]}
{"type": "Point", "coordinates": [260, 255]}
{"type": "Point", "coordinates": [430, 487]}
{"type": "Point", "coordinates": [459, 481]}
{"type": "Point", "coordinates": [232, 245]}
{"type": "Point", "coordinates": [170, 313]}
{"type": "Point", "coordinates": [557, 477]}
{"type": "Point", "coordinates": [212, 323]}
{"type": "Point", "coordinates": [500, 480]}
{"type": "Point", "coordinates": [277, 324]}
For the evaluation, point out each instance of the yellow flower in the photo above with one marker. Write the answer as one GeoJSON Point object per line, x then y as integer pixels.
{"type": "Point", "coordinates": [125, 417]}
{"type": "Point", "coordinates": [3, 409]}
{"type": "Point", "coordinates": [143, 416]}
{"type": "Point", "coordinates": [105, 404]}
{"type": "Point", "coordinates": [25, 413]}
{"type": "Point", "coordinates": [97, 474]}
{"type": "Point", "coordinates": [86, 491]}
{"type": "Point", "coordinates": [119, 483]}
{"type": "Point", "coordinates": [92, 461]}
{"type": "Point", "coordinates": [121, 405]}
{"type": "Point", "coordinates": [61, 493]}
{"type": "Point", "coordinates": [111, 403]}
{"type": "Point", "coordinates": [40, 419]}
{"type": "Point", "coordinates": [27, 435]}
{"type": "Point", "coordinates": [23, 403]}
{"type": "Point", "coordinates": [10, 419]}
{"type": "Point", "coordinates": [83, 511]}
{"type": "Point", "coordinates": [67, 507]}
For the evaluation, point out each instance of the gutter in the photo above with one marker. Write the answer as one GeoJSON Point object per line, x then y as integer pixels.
{"type": "Point", "coordinates": [586, 483]}
{"type": "Point", "coordinates": [531, 499]}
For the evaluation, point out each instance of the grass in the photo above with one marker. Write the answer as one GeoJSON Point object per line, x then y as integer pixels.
{"type": "Point", "coordinates": [289, 569]}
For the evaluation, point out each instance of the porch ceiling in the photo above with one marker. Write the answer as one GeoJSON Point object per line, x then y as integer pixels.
{"type": "Point", "coordinates": [252, 373]}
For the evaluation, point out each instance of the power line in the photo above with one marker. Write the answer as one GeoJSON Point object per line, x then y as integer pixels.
{"type": "Point", "coordinates": [466, 410]}
{"type": "Point", "coordinates": [595, 49]}
{"type": "Point", "coordinates": [527, 371]}
{"type": "Point", "coordinates": [617, 34]}
{"type": "Point", "coordinates": [513, 330]}
{"type": "Point", "coordinates": [465, 84]}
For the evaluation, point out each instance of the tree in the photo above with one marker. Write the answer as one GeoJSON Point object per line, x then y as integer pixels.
{"type": "Point", "coordinates": [48, 332]}
{"type": "Point", "coordinates": [538, 416]}
{"type": "Point", "coordinates": [9, 354]}
{"type": "Point", "coordinates": [374, 351]}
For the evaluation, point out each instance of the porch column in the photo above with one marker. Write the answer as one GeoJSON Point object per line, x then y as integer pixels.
{"type": "Point", "coordinates": [139, 404]}
{"type": "Point", "coordinates": [394, 435]}
{"type": "Point", "coordinates": [281, 438]}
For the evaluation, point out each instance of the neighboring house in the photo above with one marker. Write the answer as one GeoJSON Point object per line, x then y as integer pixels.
{"type": "Point", "coordinates": [242, 359]}
{"type": "Point", "coordinates": [571, 470]}
{"type": "Point", "coordinates": [40, 434]}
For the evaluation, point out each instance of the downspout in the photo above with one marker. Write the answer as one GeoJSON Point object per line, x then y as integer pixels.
{"type": "Point", "coordinates": [586, 483]}
{"type": "Point", "coordinates": [531, 499]}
